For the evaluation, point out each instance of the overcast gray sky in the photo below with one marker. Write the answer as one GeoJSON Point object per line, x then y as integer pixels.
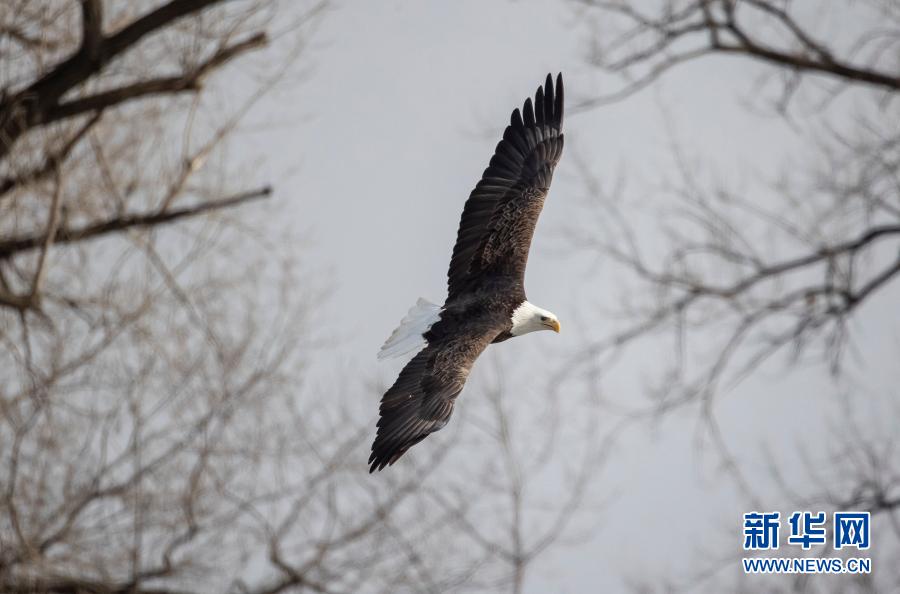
{"type": "Point", "coordinates": [381, 145]}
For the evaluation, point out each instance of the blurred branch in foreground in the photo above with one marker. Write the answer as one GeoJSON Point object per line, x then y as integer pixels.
{"type": "Point", "coordinates": [784, 265]}
{"type": "Point", "coordinates": [723, 283]}
{"type": "Point", "coordinates": [647, 41]}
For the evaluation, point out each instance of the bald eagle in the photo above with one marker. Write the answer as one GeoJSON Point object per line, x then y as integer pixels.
{"type": "Point", "coordinates": [485, 284]}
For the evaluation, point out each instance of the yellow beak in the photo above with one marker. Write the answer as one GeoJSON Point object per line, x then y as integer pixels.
{"type": "Point", "coordinates": [553, 325]}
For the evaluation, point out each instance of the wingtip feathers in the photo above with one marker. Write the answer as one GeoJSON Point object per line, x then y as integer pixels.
{"type": "Point", "coordinates": [546, 108]}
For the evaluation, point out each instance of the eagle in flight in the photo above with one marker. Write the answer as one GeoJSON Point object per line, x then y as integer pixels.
{"type": "Point", "coordinates": [485, 284]}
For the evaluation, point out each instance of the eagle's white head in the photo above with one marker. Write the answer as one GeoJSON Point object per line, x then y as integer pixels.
{"type": "Point", "coordinates": [529, 317]}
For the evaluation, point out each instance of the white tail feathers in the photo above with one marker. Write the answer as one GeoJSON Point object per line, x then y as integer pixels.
{"type": "Point", "coordinates": [408, 335]}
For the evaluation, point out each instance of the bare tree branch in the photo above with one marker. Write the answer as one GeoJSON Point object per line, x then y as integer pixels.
{"type": "Point", "coordinates": [186, 82]}
{"type": "Point", "coordinates": [13, 246]}
{"type": "Point", "coordinates": [53, 161]}
{"type": "Point", "coordinates": [49, 236]}
{"type": "Point", "coordinates": [35, 105]}
{"type": "Point", "coordinates": [92, 28]}
{"type": "Point", "coordinates": [705, 27]}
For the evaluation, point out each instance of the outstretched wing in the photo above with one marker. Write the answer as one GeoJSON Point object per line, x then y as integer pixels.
{"type": "Point", "coordinates": [421, 400]}
{"type": "Point", "coordinates": [500, 215]}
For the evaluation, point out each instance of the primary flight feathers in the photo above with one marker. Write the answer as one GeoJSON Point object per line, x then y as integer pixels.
{"type": "Point", "coordinates": [485, 283]}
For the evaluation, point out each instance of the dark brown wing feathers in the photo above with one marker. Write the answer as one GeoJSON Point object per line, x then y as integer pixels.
{"type": "Point", "coordinates": [499, 217]}
{"type": "Point", "coordinates": [421, 400]}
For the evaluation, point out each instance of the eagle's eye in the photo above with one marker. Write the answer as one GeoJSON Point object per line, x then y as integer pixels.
{"type": "Point", "coordinates": [544, 318]}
